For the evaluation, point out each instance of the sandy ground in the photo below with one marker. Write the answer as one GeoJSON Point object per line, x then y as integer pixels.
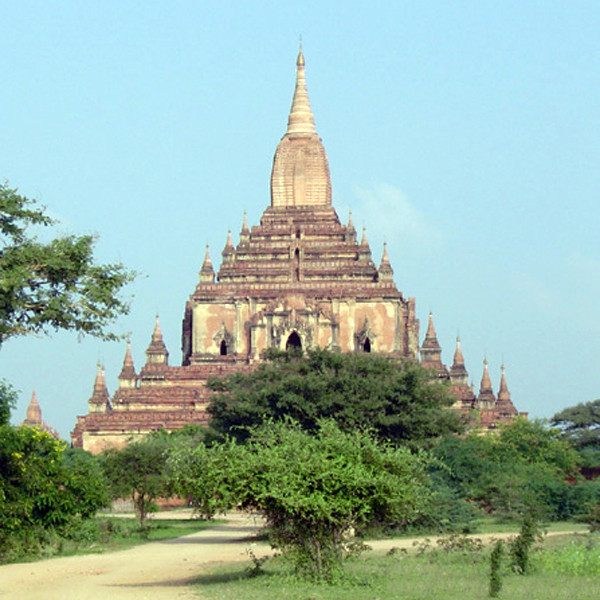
{"type": "Point", "coordinates": [154, 571]}
{"type": "Point", "coordinates": [158, 570]}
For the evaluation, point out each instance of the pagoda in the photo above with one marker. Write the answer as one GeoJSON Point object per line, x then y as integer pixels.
{"type": "Point", "coordinates": [299, 279]}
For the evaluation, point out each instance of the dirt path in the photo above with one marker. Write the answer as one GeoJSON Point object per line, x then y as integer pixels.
{"type": "Point", "coordinates": [154, 571]}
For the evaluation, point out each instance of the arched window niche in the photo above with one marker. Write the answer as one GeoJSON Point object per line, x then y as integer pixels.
{"type": "Point", "coordinates": [294, 342]}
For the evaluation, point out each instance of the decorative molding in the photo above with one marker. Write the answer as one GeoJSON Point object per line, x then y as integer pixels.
{"type": "Point", "coordinates": [224, 335]}
{"type": "Point", "coordinates": [361, 336]}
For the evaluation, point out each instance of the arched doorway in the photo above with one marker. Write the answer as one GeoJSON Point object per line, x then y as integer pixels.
{"type": "Point", "coordinates": [223, 348]}
{"type": "Point", "coordinates": [367, 345]}
{"type": "Point", "coordinates": [293, 342]}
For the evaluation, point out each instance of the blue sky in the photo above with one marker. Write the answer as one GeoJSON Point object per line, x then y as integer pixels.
{"type": "Point", "coordinates": [465, 134]}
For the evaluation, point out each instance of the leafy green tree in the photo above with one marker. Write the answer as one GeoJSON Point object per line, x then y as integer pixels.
{"type": "Point", "coordinates": [314, 489]}
{"type": "Point", "coordinates": [206, 476]}
{"type": "Point", "coordinates": [8, 401]}
{"type": "Point", "coordinates": [40, 490]}
{"type": "Point", "coordinates": [580, 424]}
{"type": "Point", "coordinates": [399, 401]}
{"type": "Point", "coordinates": [138, 471]}
{"type": "Point", "coordinates": [54, 284]}
{"type": "Point", "coordinates": [533, 442]}
{"type": "Point", "coordinates": [87, 483]}
{"type": "Point", "coordinates": [522, 468]}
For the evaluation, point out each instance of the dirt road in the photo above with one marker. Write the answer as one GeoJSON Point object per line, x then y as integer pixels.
{"type": "Point", "coordinates": [154, 571]}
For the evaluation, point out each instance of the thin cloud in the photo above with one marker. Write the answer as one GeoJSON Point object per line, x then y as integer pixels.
{"type": "Point", "coordinates": [585, 268]}
{"type": "Point", "coordinates": [394, 218]}
{"type": "Point", "coordinates": [542, 298]}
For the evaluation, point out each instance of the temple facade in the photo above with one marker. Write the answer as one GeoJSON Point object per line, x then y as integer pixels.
{"type": "Point", "coordinates": [299, 279]}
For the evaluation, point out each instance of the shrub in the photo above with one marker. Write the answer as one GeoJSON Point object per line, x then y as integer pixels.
{"type": "Point", "coordinates": [495, 568]}
{"type": "Point", "coordinates": [580, 557]}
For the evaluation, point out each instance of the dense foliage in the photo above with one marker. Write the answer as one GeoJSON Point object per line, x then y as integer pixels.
{"type": "Point", "coordinates": [399, 402]}
{"type": "Point", "coordinates": [581, 426]}
{"type": "Point", "coordinates": [42, 490]}
{"type": "Point", "coordinates": [314, 490]}
{"type": "Point", "coordinates": [54, 284]}
{"type": "Point", "coordinates": [47, 285]}
{"type": "Point", "coordinates": [8, 401]}
{"type": "Point", "coordinates": [138, 471]}
{"type": "Point", "coordinates": [522, 468]}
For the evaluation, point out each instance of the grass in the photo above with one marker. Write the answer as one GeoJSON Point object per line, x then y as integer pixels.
{"type": "Point", "coordinates": [491, 525]}
{"type": "Point", "coordinates": [121, 533]}
{"type": "Point", "coordinates": [104, 534]}
{"type": "Point", "coordinates": [566, 571]}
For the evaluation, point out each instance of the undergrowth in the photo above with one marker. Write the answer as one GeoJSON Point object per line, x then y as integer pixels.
{"type": "Point", "coordinates": [453, 568]}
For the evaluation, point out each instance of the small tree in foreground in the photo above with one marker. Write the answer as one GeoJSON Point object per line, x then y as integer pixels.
{"type": "Point", "coordinates": [137, 471]}
{"type": "Point", "coordinates": [43, 489]}
{"type": "Point", "coordinates": [495, 569]}
{"type": "Point", "coordinates": [520, 547]}
{"type": "Point", "coordinates": [314, 490]}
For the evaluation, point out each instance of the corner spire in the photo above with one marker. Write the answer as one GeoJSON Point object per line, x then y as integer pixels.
{"type": "Point", "coordinates": [157, 351]}
{"type": "Point", "coordinates": [100, 400]}
{"type": "Point", "coordinates": [486, 383]}
{"type": "Point", "coordinates": [459, 359]}
{"type": "Point", "coordinates": [386, 273]}
{"type": "Point", "coordinates": [245, 232]}
{"type": "Point", "coordinates": [157, 333]}
{"type": "Point", "coordinates": [34, 412]}
{"type": "Point", "coordinates": [430, 328]}
{"type": "Point", "coordinates": [486, 394]}
{"type": "Point", "coordinates": [431, 351]}
{"type": "Point", "coordinates": [503, 393]}
{"type": "Point", "coordinates": [364, 251]}
{"type": "Point", "coordinates": [505, 404]}
{"type": "Point", "coordinates": [127, 375]}
{"type": "Point", "coordinates": [458, 372]}
{"type": "Point", "coordinates": [363, 241]}
{"type": "Point", "coordinates": [301, 119]}
{"type": "Point", "coordinates": [207, 273]}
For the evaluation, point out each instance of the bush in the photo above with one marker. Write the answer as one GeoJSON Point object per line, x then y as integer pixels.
{"type": "Point", "coordinates": [495, 569]}
{"type": "Point", "coordinates": [314, 490]}
{"type": "Point", "coordinates": [521, 545]}
{"type": "Point", "coordinates": [581, 557]}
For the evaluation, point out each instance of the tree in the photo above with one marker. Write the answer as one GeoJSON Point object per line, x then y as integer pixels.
{"type": "Point", "coordinates": [55, 284]}
{"type": "Point", "coordinates": [523, 468]}
{"type": "Point", "coordinates": [8, 400]}
{"type": "Point", "coordinates": [40, 490]}
{"type": "Point", "coordinates": [206, 475]}
{"type": "Point", "coordinates": [580, 424]}
{"type": "Point", "coordinates": [314, 489]}
{"type": "Point", "coordinates": [137, 471]}
{"type": "Point", "coordinates": [399, 401]}
{"type": "Point", "coordinates": [87, 483]}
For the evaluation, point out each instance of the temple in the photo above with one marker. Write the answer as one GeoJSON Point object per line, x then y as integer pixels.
{"type": "Point", "coordinates": [33, 417]}
{"type": "Point", "coordinates": [298, 279]}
